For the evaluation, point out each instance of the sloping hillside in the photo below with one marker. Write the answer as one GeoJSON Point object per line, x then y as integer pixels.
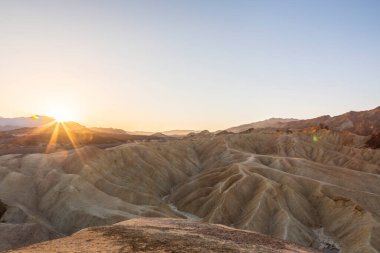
{"type": "Point", "coordinates": [165, 235]}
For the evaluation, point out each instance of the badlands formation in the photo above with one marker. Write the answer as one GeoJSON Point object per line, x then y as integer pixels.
{"type": "Point", "coordinates": [315, 187]}
{"type": "Point", "coordinates": [165, 235]}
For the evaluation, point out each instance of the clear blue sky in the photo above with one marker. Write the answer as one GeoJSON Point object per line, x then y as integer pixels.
{"type": "Point", "coordinates": [157, 65]}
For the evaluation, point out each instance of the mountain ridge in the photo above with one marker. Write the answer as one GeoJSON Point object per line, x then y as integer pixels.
{"type": "Point", "coordinates": [7, 124]}
{"type": "Point", "coordinates": [359, 122]}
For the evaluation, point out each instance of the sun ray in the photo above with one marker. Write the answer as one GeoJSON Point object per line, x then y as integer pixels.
{"type": "Point", "coordinates": [53, 138]}
{"type": "Point", "coordinates": [43, 128]}
{"type": "Point", "coordinates": [35, 131]}
{"type": "Point", "coordinates": [73, 141]}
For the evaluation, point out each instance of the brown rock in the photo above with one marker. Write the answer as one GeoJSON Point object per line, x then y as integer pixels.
{"type": "Point", "coordinates": [165, 235]}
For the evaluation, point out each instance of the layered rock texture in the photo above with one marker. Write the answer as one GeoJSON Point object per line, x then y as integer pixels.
{"type": "Point", "coordinates": [316, 187]}
{"type": "Point", "coordinates": [165, 235]}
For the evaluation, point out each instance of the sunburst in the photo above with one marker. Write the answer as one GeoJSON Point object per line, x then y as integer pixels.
{"type": "Point", "coordinates": [61, 128]}
{"type": "Point", "coordinates": [61, 113]}
{"type": "Point", "coordinates": [58, 127]}
{"type": "Point", "coordinates": [53, 138]}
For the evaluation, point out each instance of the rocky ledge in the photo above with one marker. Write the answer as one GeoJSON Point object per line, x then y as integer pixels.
{"type": "Point", "coordinates": [164, 235]}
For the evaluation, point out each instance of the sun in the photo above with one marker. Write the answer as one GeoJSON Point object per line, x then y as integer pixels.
{"type": "Point", "coordinates": [61, 113]}
{"type": "Point", "coordinates": [62, 117]}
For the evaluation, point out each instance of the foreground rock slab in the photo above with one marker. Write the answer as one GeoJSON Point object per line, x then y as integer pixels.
{"type": "Point", "coordinates": [164, 235]}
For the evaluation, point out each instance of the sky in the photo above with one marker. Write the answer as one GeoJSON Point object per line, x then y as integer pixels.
{"type": "Point", "coordinates": [173, 64]}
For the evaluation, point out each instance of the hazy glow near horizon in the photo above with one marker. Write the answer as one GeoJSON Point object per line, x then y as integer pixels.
{"type": "Point", "coordinates": [159, 65]}
{"type": "Point", "coordinates": [62, 112]}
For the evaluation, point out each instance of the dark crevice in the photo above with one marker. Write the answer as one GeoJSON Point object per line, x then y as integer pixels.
{"type": "Point", "coordinates": [3, 209]}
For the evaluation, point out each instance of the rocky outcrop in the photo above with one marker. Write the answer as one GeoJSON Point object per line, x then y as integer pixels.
{"type": "Point", "coordinates": [165, 235]}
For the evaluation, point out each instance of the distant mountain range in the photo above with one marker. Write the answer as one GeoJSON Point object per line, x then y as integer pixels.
{"type": "Point", "coordinates": [65, 136]}
{"type": "Point", "coordinates": [108, 130]}
{"type": "Point", "coordinates": [272, 122]}
{"type": "Point", "coordinates": [171, 133]}
{"type": "Point", "coordinates": [361, 123]}
{"type": "Point", "coordinates": [7, 124]}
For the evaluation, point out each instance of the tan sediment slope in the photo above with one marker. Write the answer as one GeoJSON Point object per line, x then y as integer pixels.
{"type": "Point", "coordinates": [315, 188]}
{"type": "Point", "coordinates": [165, 235]}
